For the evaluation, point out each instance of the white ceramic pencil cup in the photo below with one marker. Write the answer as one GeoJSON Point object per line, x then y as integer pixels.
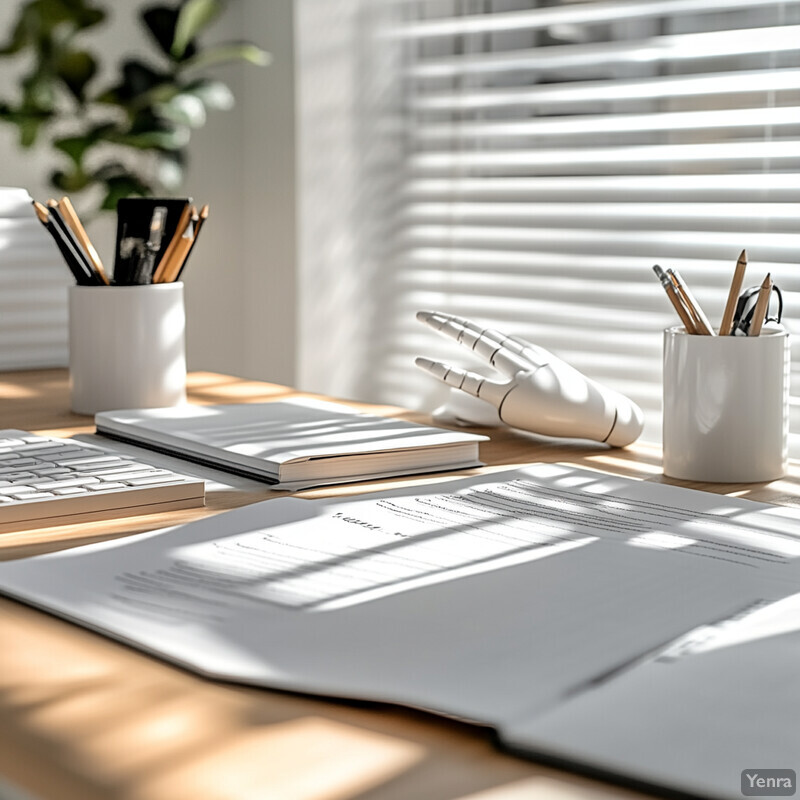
{"type": "Point", "coordinates": [126, 347]}
{"type": "Point", "coordinates": [726, 406]}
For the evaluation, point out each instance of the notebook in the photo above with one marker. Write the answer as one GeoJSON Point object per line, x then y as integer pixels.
{"type": "Point", "coordinates": [295, 443]}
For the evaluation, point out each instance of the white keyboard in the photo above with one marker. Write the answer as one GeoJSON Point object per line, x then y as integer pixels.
{"type": "Point", "coordinates": [46, 481]}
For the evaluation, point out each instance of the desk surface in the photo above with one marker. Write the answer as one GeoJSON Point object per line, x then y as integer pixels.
{"type": "Point", "coordinates": [84, 718]}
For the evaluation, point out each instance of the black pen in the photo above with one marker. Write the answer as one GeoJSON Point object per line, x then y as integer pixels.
{"type": "Point", "coordinates": [69, 235]}
{"type": "Point", "coordinates": [71, 257]}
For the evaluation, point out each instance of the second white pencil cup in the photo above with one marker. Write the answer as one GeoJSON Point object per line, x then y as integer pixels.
{"type": "Point", "coordinates": [726, 406]}
{"type": "Point", "coordinates": [126, 347]}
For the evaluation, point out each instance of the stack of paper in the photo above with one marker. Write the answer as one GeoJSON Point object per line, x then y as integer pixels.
{"type": "Point", "coordinates": [33, 297]}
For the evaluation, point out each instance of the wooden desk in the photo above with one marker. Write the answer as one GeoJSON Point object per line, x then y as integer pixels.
{"type": "Point", "coordinates": [84, 718]}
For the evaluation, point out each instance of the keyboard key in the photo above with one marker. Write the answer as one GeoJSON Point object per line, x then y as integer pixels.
{"type": "Point", "coordinates": [104, 486]}
{"type": "Point", "coordinates": [123, 466]}
{"type": "Point", "coordinates": [71, 490]}
{"type": "Point", "coordinates": [45, 471]}
{"type": "Point", "coordinates": [127, 474]}
{"type": "Point", "coordinates": [18, 467]}
{"type": "Point", "coordinates": [63, 484]}
{"type": "Point", "coordinates": [99, 460]}
{"type": "Point", "coordinates": [62, 455]}
{"type": "Point", "coordinates": [45, 446]}
{"type": "Point", "coordinates": [150, 480]}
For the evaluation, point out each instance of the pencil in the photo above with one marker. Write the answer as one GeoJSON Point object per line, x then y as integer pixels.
{"type": "Point", "coordinates": [762, 305]}
{"type": "Point", "coordinates": [675, 299]}
{"type": "Point", "coordinates": [71, 218]}
{"type": "Point", "coordinates": [700, 319]}
{"type": "Point", "coordinates": [181, 252]}
{"type": "Point", "coordinates": [83, 259]}
{"type": "Point", "coordinates": [183, 221]}
{"type": "Point", "coordinates": [202, 217]}
{"type": "Point", "coordinates": [81, 273]}
{"type": "Point", "coordinates": [726, 326]}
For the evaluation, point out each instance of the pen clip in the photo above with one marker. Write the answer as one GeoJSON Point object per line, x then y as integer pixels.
{"type": "Point", "coordinates": [746, 306]}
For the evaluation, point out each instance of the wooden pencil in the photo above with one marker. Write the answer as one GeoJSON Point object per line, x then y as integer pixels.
{"type": "Point", "coordinates": [71, 218]}
{"type": "Point", "coordinates": [726, 326]}
{"type": "Point", "coordinates": [181, 252]}
{"type": "Point", "coordinates": [700, 319]}
{"type": "Point", "coordinates": [202, 217]}
{"type": "Point", "coordinates": [183, 221]}
{"type": "Point", "coordinates": [676, 300]}
{"type": "Point", "coordinates": [762, 305]}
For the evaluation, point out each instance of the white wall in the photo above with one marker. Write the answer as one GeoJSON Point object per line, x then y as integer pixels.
{"type": "Point", "coordinates": [240, 288]}
{"type": "Point", "coordinates": [348, 152]}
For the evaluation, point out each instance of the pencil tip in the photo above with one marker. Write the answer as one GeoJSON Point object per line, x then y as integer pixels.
{"type": "Point", "coordinates": [743, 256]}
{"type": "Point", "coordinates": [41, 211]}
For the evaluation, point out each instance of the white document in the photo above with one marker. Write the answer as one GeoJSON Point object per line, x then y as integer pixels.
{"type": "Point", "coordinates": [721, 701]}
{"type": "Point", "coordinates": [490, 598]}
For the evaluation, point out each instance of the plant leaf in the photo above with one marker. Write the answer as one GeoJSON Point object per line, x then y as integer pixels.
{"type": "Point", "coordinates": [161, 22]}
{"type": "Point", "coordinates": [76, 69]}
{"type": "Point", "coordinates": [170, 169]}
{"type": "Point", "coordinates": [193, 16]}
{"type": "Point", "coordinates": [184, 109]}
{"type": "Point", "coordinates": [233, 51]}
{"type": "Point", "coordinates": [21, 36]}
{"type": "Point", "coordinates": [74, 146]}
{"type": "Point", "coordinates": [214, 94]}
{"type": "Point", "coordinates": [69, 182]}
{"type": "Point", "coordinates": [137, 79]}
{"type": "Point", "coordinates": [124, 185]}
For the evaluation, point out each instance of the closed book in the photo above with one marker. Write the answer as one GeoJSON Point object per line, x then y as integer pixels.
{"type": "Point", "coordinates": [294, 443]}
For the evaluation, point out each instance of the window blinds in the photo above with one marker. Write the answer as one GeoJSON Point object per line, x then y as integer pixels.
{"type": "Point", "coordinates": [552, 152]}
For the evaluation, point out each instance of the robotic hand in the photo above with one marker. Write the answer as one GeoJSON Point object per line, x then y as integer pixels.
{"type": "Point", "coordinates": [543, 394]}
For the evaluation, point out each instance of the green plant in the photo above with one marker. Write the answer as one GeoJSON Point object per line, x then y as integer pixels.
{"type": "Point", "coordinates": [130, 136]}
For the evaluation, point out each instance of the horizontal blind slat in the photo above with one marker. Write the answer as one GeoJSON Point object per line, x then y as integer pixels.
{"type": "Point", "coordinates": [590, 125]}
{"type": "Point", "coordinates": [703, 244]}
{"type": "Point", "coordinates": [581, 14]}
{"type": "Point", "coordinates": [600, 158]}
{"type": "Point", "coordinates": [677, 188]}
{"type": "Point", "coordinates": [689, 47]}
{"type": "Point", "coordinates": [742, 82]}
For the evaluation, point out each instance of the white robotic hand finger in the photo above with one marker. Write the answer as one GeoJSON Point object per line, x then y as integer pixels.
{"type": "Point", "coordinates": [505, 353]}
{"type": "Point", "coordinates": [544, 394]}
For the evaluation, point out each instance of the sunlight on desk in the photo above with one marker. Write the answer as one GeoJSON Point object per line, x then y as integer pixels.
{"type": "Point", "coordinates": [9, 391]}
{"type": "Point", "coordinates": [306, 759]}
{"type": "Point", "coordinates": [209, 387]}
{"type": "Point", "coordinates": [543, 788]}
